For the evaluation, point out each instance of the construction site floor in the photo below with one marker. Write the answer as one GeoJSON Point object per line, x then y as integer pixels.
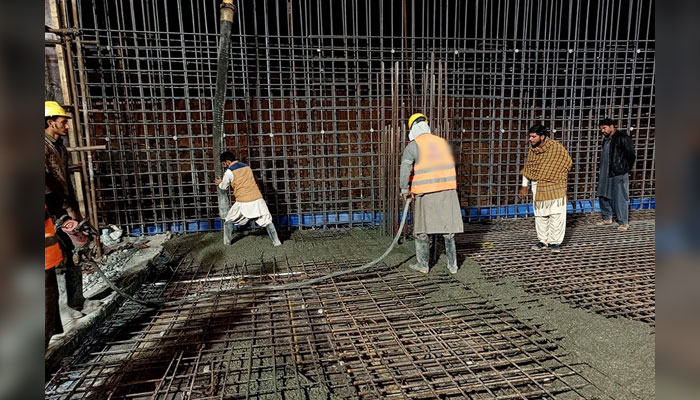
{"type": "Point", "coordinates": [512, 323]}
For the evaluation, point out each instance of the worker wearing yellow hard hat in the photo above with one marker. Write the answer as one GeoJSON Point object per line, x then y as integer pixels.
{"type": "Point", "coordinates": [416, 118]}
{"type": "Point", "coordinates": [60, 199]}
{"type": "Point", "coordinates": [55, 121]}
{"type": "Point", "coordinates": [428, 174]}
{"type": "Point", "coordinates": [53, 109]}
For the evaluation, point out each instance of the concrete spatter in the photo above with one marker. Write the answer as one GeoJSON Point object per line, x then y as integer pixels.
{"type": "Point", "coordinates": [256, 248]}
{"type": "Point", "coordinates": [615, 354]}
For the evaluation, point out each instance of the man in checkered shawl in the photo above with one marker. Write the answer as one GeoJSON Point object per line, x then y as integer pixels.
{"type": "Point", "coordinates": [546, 168]}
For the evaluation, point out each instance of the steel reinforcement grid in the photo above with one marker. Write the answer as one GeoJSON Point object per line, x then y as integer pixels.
{"type": "Point", "coordinates": [599, 268]}
{"type": "Point", "coordinates": [371, 334]}
{"type": "Point", "coordinates": [319, 93]}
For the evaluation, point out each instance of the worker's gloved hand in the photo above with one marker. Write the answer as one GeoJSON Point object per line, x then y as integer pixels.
{"type": "Point", "coordinates": [522, 194]}
{"type": "Point", "coordinates": [217, 181]}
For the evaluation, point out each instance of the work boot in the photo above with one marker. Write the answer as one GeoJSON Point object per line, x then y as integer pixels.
{"type": "Point", "coordinates": [55, 339]}
{"type": "Point", "coordinates": [224, 206]}
{"type": "Point", "coordinates": [422, 256]}
{"type": "Point", "coordinates": [273, 235]}
{"type": "Point", "coordinates": [74, 283]}
{"type": "Point", "coordinates": [90, 306]}
{"type": "Point", "coordinates": [451, 252]}
{"type": "Point", "coordinates": [69, 313]}
{"type": "Point", "coordinates": [228, 232]}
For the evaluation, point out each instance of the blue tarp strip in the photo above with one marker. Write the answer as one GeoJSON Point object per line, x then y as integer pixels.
{"type": "Point", "coordinates": [366, 218]}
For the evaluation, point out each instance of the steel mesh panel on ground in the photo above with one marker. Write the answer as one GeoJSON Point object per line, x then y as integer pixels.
{"type": "Point", "coordinates": [313, 85]}
{"type": "Point", "coordinates": [599, 267]}
{"type": "Point", "coordinates": [363, 335]}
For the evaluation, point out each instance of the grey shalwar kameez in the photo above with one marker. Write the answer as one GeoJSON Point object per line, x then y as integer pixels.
{"type": "Point", "coordinates": [434, 213]}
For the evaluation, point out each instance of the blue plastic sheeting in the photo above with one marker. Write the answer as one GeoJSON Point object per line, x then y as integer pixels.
{"type": "Point", "coordinates": [366, 218]}
{"type": "Point", "coordinates": [309, 220]}
{"type": "Point", "coordinates": [526, 210]}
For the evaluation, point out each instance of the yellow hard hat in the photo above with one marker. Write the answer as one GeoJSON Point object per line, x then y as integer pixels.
{"type": "Point", "coordinates": [53, 109]}
{"type": "Point", "coordinates": [414, 117]}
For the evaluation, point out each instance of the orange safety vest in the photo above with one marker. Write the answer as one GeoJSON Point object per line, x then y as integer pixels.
{"type": "Point", "coordinates": [244, 187]}
{"type": "Point", "coordinates": [435, 169]}
{"type": "Point", "coordinates": [52, 251]}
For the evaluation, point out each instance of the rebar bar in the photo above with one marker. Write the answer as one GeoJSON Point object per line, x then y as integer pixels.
{"type": "Point", "coordinates": [348, 337]}
{"type": "Point", "coordinates": [314, 84]}
{"type": "Point", "coordinates": [599, 268]}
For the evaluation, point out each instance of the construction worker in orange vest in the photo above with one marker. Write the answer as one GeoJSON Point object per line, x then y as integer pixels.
{"type": "Point", "coordinates": [52, 257]}
{"type": "Point", "coordinates": [249, 201]}
{"type": "Point", "coordinates": [428, 174]}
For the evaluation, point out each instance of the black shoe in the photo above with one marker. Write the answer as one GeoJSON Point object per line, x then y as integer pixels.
{"type": "Point", "coordinates": [555, 248]}
{"type": "Point", "coordinates": [539, 246]}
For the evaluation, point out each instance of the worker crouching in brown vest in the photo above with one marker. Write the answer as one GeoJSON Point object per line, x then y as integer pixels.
{"type": "Point", "coordinates": [249, 201]}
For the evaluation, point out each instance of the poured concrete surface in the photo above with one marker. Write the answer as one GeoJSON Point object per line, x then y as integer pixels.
{"type": "Point", "coordinates": [615, 354]}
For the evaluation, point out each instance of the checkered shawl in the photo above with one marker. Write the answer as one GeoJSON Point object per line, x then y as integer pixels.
{"type": "Point", "coordinates": [548, 164]}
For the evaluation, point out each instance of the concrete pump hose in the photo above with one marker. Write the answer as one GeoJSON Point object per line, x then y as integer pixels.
{"type": "Point", "coordinates": [116, 289]}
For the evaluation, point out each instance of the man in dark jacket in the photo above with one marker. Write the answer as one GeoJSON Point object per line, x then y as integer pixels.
{"type": "Point", "coordinates": [616, 160]}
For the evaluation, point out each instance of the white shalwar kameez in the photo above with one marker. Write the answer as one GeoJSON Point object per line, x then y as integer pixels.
{"type": "Point", "coordinates": [240, 213]}
{"type": "Point", "coordinates": [550, 218]}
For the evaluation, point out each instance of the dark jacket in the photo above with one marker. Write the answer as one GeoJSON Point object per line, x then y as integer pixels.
{"type": "Point", "coordinates": [58, 188]}
{"type": "Point", "coordinates": [622, 154]}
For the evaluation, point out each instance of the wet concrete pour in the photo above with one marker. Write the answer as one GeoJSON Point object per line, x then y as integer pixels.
{"type": "Point", "coordinates": [616, 355]}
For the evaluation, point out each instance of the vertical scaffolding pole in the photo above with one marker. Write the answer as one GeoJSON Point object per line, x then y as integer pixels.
{"type": "Point", "coordinates": [65, 72]}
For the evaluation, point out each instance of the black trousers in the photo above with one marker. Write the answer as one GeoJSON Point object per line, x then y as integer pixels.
{"type": "Point", "coordinates": [73, 273]}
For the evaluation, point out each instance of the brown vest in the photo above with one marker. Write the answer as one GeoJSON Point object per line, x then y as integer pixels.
{"type": "Point", "coordinates": [244, 187]}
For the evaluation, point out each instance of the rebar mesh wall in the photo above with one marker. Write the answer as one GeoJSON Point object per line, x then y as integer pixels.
{"type": "Point", "coordinates": [310, 96]}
